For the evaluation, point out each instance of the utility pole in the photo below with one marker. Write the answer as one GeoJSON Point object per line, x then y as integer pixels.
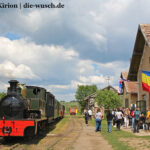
{"type": "Point", "coordinates": [108, 78]}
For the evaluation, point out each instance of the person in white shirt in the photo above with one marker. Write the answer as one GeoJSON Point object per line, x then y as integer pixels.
{"type": "Point", "coordinates": [90, 114]}
{"type": "Point", "coordinates": [98, 117]}
{"type": "Point", "coordinates": [119, 116]}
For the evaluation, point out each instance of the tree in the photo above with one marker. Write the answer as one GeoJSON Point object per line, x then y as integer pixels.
{"type": "Point", "coordinates": [2, 94]}
{"type": "Point", "coordinates": [108, 99]}
{"type": "Point", "coordinates": [84, 91]}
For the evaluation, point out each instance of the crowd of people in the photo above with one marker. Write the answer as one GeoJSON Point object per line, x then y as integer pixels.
{"type": "Point", "coordinates": [121, 117]}
{"type": "Point", "coordinates": [133, 117]}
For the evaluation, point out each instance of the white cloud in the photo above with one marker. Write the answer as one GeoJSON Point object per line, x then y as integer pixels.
{"type": "Point", "coordinates": [31, 20]}
{"type": "Point", "coordinates": [10, 71]}
{"type": "Point", "coordinates": [58, 69]}
{"type": "Point", "coordinates": [110, 9]}
{"type": "Point", "coordinates": [100, 37]}
{"type": "Point", "coordinates": [31, 52]}
{"type": "Point", "coordinates": [90, 29]}
{"type": "Point", "coordinates": [55, 86]}
{"type": "Point", "coordinates": [60, 51]}
{"type": "Point", "coordinates": [41, 58]}
{"type": "Point", "coordinates": [92, 75]}
{"type": "Point", "coordinates": [85, 66]}
{"type": "Point", "coordinates": [93, 79]}
{"type": "Point", "coordinates": [117, 6]}
{"type": "Point", "coordinates": [66, 97]}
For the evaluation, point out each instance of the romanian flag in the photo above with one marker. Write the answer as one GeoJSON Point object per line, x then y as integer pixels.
{"type": "Point", "coordinates": [146, 81]}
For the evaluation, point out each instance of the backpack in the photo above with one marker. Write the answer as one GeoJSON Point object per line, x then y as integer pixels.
{"type": "Point", "coordinates": [132, 114]}
{"type": "Point", "coordinates": [137, 115]}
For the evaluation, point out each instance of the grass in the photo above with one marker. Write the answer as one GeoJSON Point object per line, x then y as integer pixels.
{"type": "Point", "coordinates": [61, 125]}
{"type": "Point", "coordinates": [114, 137]}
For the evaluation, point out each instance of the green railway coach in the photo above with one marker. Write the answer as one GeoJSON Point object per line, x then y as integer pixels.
{"type": "Point", "coordinates": [56, 109]}
{"type": "Point", "coordinates": [50, 100]}
{"type": "Point", "coordinates": [37, 97]}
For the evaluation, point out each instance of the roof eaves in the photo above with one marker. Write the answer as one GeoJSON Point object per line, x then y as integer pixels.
{"type": "Point", "coordinates": [86, 98]}
{"type": "Point", "coordinates": [145, 37]}
{"type": "Point", "coordinates": [136, 55]}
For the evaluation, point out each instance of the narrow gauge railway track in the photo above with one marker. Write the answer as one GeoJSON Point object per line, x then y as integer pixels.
{"type": "Point", "coordinates": [10, 146]}
{"type": "Point", "coordinates": [14, 146]}
{"type": "Point", "coordinates": [69, 137]}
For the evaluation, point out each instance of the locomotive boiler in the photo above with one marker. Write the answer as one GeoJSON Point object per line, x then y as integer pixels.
{"type": "Point", "coordinates": [13, 106]}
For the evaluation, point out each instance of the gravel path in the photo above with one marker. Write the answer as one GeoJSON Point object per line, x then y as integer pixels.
{"type": "Point", "coordinates": [91, 140]}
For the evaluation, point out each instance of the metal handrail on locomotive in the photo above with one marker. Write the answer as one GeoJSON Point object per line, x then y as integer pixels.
{"type": "Point", "coordinates": [27, 109]}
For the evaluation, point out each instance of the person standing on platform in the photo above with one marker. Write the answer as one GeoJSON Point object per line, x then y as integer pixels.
{"type": "Point", "coordinates": [114, 117]}
{"type": "Point", "coordinates": [109, 117]}
{"type": "Point", "coordinates": [98, 117]}
{"type": "Point", "coordinates": [90, 113]}
{"type": "Point", "coordinates": [132, 116]}
{"type": "Point", "coordinates": [126, 118]}
{"type": "Point", "coordinates": [86, 117]}
{"type": "Point", "coordinates": [122, 120]}
{"type": "Point", "coordinates": [119, 116]}
{"type": "Point", "coordinates": [136, 121]}
{"type": "Point", "coordinates": [148, 119]}
{"type": "Point", "coordinates": [142, 121]}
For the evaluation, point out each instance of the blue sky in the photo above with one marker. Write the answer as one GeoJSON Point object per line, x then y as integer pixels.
{"type": "Point", "coordinates": [59, 49]}
{"type": "Point", "coordinates": [12, 36]}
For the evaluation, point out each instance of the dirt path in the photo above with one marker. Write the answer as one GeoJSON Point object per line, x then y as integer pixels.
{"type": "Point", "coordinates": [91, 140]}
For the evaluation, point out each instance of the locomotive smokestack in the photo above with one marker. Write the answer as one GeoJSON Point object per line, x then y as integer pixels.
{"type": "Point", "coordinates": [13, 86]}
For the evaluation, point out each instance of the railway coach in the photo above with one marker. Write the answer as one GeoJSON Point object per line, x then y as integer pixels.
{"type": "Point", "coordinates": [73, 111]}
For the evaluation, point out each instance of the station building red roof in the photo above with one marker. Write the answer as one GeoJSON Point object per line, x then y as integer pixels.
{"type": "Point", "coordinates": [131, 86]}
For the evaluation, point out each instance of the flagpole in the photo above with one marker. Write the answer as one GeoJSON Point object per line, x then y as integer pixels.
{"type": "Point", "coordinates": [138, 90]}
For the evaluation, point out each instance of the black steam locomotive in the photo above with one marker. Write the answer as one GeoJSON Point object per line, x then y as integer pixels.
{"type": "Point", "coordinates": [27, 109]}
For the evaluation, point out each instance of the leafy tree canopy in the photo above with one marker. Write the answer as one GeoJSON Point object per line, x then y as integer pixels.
{"type": "Point", "coordinates": [108, 99]}
{"type": "Point", "coordinates": [84, 91]}
{"type": "Point", "coordinates": [2, 94]}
